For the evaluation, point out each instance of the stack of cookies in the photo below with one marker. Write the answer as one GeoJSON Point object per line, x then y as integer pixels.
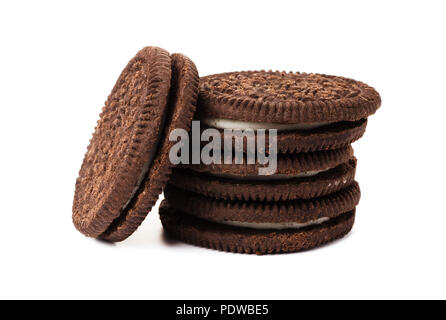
{"type": "Point", "coordinates": [311, 196]}
{"type": "Point", "coordinates": [294, 191]}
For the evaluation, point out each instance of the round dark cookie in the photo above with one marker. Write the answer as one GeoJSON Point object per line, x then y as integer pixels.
{"type": "Point", "coordinates": [288, 164]}
{"type": "Point", "coordinates": [221, 237]}
{"type": "Point", "coordinates": [270, 190]}
{"type": "Point", "coordinates": [300, 211]}
{"type": "Point", "coordinates": [125, 166]}
{"type": "Point", "coordinates": [285, 97]}
{"type": "Point", "coordinates": [126, 133]}
{"type": "Point", "coordinates": [181, 108]}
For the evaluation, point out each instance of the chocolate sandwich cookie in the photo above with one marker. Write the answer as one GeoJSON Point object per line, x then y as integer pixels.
{"type": "Point", "coordinates": [270, 188]}
{"type": "Point", "coordinates": [126, 164]}
{"type": "Point", "coordinates": [242, 239]}
{"type": "Point", "coordinates": [287, 164]}
{"type": "Point", "coordinates": [299, 211]}
{"type": "Point", "coordinates": [310, 111]}
{"type": "Point", "coordinates": [303, 175]}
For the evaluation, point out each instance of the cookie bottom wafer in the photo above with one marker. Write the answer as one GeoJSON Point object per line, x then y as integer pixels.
{"type": "Point", "coordinates": [333, 136]}
{"type": "Point", "coordinates": [221, 237]}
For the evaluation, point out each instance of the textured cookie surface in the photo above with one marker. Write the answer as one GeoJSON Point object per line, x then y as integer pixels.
{"type": "Point", "coordinates": [300, 211]}
{"type": "Point", "coordinates": [334, 136]}
{"type": "Point", "coordinates": [181, 107]}
{"type": "Point", "coordinates": [287, 164]}
{"type": "Point", "coordinates": [281, 97]}
{"type": "Point", "coordinates": [128, 129]}
{"type": "Point", "coordinates": [270, 190]}
{"type": "Point", "coordinates": [125, 160]}
{"type": "Point", "coordinates": [211, 235]}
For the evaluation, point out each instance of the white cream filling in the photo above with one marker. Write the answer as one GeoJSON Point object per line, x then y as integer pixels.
{"type": "Point", "coordinates": [241, 125]}
{"type": "Point", "coordinates": [274, 226]}
{"type": "Point", "coordinates": [278, 176]}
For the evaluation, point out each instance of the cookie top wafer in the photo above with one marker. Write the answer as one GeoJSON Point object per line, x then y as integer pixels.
{"type": "Point", "coordinates": [126, 164]}
{"type": "Point", "coordinates": [285, 98]}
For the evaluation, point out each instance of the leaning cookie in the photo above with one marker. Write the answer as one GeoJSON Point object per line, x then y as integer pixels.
{"type": "Point", "coordinates": [310, 111]}
{"type": "Point", "coordinates": [126, 164]}
{"type": "Point", "coordinates": [243, 239]}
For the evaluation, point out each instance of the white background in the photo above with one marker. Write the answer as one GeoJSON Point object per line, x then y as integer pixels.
{"type": "Point", "coordinates": [58, 63]}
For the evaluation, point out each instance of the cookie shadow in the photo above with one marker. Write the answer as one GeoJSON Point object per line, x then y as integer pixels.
{"type": "Point", "coordinates": [168, 240]}
{"type": "Point", "coordinates": [105, 242]}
